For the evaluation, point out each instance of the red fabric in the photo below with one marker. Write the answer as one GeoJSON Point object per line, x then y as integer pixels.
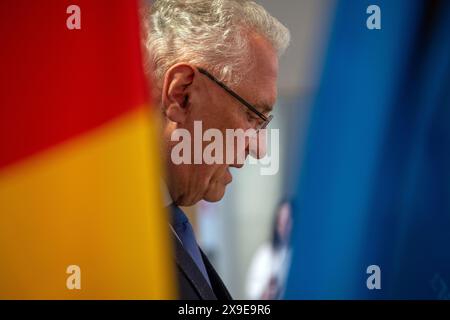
{"type": "Point", "coordinates": [56, 83]}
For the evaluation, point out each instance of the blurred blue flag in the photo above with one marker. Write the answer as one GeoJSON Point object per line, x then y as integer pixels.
{"type": "Point", "coordinates": [374, 188]}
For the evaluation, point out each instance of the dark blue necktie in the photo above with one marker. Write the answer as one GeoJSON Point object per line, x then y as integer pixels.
{"type": "Point", "coordinates": [184, 230]}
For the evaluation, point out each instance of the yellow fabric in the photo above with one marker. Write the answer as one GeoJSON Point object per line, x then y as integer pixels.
{"type": "Point", "coordinates": [93, 202]}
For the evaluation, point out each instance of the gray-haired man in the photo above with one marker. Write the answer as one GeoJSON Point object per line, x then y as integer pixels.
{"type": "Point", "coordinates": [214, 61]}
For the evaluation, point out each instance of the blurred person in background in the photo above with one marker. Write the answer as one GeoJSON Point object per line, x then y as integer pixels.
{"type": "Point", "coordinates": [270, 265]}
{"type": "Point", "coordinates": [196, 49]}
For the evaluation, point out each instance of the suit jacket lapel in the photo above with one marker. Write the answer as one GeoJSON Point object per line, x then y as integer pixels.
{"type": "Point", "coordinates": [219, 287]}
{"type": "Point", "coordinates": [190, 269]}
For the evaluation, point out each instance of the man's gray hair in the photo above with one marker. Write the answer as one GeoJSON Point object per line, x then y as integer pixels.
{"type": "Point", "coordinates": [213, 34]}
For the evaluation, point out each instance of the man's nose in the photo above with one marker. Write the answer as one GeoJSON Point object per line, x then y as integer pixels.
{"type": "Point", "coordinates": [257, 146]}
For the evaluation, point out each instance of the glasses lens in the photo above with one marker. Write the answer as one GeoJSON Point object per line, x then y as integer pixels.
{"type": "Point", "coordinates": [266, 123]}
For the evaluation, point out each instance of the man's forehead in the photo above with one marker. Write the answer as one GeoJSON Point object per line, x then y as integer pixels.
{"type": "Point", "coordinates": [263, 77]}
{"type": "Point", "coordinates": [264, 55]}
{"type": "Point", "coordinates": [259, 86]}
{"type": "Point", "coordinates": [262, 92]}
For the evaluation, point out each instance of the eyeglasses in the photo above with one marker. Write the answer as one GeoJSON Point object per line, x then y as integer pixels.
{"type": "Point", "coordinates": [265, 119]}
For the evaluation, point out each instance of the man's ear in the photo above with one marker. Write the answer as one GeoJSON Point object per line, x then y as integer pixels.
{"type": "Point", "coordinates": [176, 89]}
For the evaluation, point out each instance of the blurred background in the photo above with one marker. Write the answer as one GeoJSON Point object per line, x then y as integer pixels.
{"type": "Point", "coordinates": [364, 119]}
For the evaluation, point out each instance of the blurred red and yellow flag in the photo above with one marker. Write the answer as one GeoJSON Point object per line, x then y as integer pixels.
{"type": "Point", "coordinates": [79, 160]}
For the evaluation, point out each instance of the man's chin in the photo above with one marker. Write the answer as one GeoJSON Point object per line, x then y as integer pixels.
{"type": "Point", "coordinates": [215, 195]}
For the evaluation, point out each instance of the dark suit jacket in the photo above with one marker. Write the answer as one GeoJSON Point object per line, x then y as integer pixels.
{"type": "Point", "coordinates": [191, 283]}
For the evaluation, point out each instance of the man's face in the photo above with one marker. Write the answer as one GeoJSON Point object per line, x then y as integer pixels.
{"type": "Point", "coordinates": [215, 108]}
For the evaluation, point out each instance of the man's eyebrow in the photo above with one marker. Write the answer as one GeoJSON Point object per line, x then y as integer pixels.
{"type": "Point", "coordinates": [264, 107]}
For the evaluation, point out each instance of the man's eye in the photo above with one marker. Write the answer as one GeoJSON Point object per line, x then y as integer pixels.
{"type": "Point", "coordinates": [251, 117]}
{"type": "Point", "coordinates": [254, 120]}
